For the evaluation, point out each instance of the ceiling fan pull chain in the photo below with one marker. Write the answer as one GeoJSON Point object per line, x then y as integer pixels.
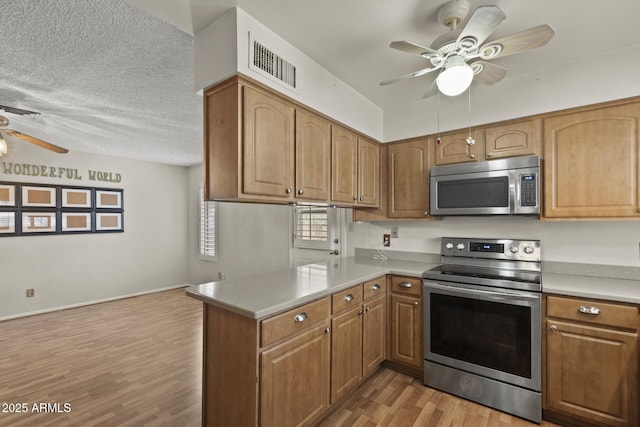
{"type": "Point", "coordinates": [470, 140]}
{"type": "Point", "coordinates": [438, 140]}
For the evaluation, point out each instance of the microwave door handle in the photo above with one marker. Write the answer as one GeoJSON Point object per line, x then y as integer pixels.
{"type": "Point", "coordinates": [513, 192]}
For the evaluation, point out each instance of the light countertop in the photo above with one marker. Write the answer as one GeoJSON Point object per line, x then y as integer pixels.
{"type": "Point", "coordinates": [261, 296]}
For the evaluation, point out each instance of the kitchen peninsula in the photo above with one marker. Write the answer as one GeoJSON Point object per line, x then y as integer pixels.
{"type": "Point", "coordinates": [276, 345]}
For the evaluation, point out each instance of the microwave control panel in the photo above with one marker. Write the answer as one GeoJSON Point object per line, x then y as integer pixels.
{"type": "Point", "coordinates": [528, 193]}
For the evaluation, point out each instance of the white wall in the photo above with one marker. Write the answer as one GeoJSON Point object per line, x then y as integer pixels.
{"type": "Point", "coordinates": [70, 269]}
{"type": "Point", "coordinates": [334, 98]}
{"type": "Point", "coordinates": [589, 242]}
{"type": "Point", "coordinates": [252, 238]}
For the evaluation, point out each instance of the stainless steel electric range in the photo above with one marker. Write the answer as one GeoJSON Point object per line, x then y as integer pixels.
{"type": "Point", "coordinates": [482, 323]}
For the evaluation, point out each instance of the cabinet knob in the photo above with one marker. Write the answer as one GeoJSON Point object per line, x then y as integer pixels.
{"type": "Point", "coordinates": [473, 156]}
{"type": "Point", "coordinates": [301, 317]}
{"type": "Point", "coordinates": [489, 154]}
{"type": "Point", "coordinates": [375, 287]}
{"type": "Point", "coordinates": [361, 198]}
{"type": "Point", "coordinates": [300, 192]}
{"type": "Point", "coordinates": [355, 197]}
{"type": "Point", "coordinates": [348, 298]}
{"type": "Point", "coordinates": [327, 331]}
{"type": "Point", "coordinates": [553, 328]}
{"type": "Point", "coordinates": [288, 191]}
{"type": "Point", "coordinates": [368, 309]}
{"type": "Point", "coordinates": [426, 213]}
{"type": "Point", "coordinates": [360, 313]}
{"type": "Point", "coordinates": [416, 303]}
{"type": "Point", "coordinates": [406, 285]}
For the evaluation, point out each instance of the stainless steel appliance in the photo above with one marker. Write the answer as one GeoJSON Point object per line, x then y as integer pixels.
{"type": "Point", "coordinates": [482, 323]}
{"type": "Point", "coordinates": [496, 187]}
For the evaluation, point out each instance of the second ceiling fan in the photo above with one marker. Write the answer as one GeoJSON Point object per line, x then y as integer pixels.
{"type": "Point", "coordinates": [461, 55]}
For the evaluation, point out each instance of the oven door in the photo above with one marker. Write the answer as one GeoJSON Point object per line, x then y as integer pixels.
{"type": "Point", "coordinates": [487, 331]}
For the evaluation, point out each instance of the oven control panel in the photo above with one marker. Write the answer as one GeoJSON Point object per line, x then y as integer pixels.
{"type": "Point", "coordinates": [508, 249]}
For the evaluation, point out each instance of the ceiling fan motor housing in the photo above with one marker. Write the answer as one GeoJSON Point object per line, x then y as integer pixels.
{"type": "Point", "coordinates": [453, 12]}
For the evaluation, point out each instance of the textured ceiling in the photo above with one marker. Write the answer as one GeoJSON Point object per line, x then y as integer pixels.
{"type": "Point", "coordinates": [111, 77]}
{"type": "Point", "coordinates": [107, 78]}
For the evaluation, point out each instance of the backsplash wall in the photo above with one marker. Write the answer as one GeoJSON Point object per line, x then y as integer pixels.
{"type": "Point", "coordinates": [588, 242]}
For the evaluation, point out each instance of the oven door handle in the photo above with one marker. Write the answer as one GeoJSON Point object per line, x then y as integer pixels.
{"type": "Point", "coordinates": [462, 289]}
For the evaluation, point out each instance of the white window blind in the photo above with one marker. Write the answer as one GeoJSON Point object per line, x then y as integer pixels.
{"type": "Point", "coordinates": [313, 227]}
{"type": "Point", "coordinates": [207, 228]}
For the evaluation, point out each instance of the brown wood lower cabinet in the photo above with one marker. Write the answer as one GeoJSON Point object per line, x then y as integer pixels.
{"type": "Point", "coordinates": [295, 380]}
{"type": "Point", "coordinates": [406, 322]}
{"type": "Point", "coordinates": [346, 350]}
{"type": "Point", "coordinates": [373, 335]}
{"type": "Point", "coordinates": [591, 362]}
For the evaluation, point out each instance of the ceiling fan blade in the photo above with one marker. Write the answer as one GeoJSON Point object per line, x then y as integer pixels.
{"type": "Point", "coordinates": [481, 25]}
{"type": "Point", "coordinates": [518, 42]}
{"type": "Point", "coordinates": [408, 76]}
{"type": "Point", "coordinates": [34, 140]}
{"type": "Point", "coordinates": [413, 48]}
{"type": "Point", "coordinates": [433, 89]}
{"type": "Point", "coordinates": [489, 73]}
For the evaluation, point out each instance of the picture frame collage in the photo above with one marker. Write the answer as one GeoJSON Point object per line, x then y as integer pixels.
{"type": "Point", "coordinates": [37, 209]}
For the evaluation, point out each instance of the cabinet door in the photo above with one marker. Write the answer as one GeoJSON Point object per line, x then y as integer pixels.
{"type": "Point", "coordinates": [346, 352]}
{"type": "Point", "coordinates": [591, 163]}
{"type": "Point", "coordinates": [511, 140]}
{"type": "Point", "coordinates": [592, 373]}
{"type": "Point", "coordinates": [406, 330]}
{"type": "Point", "coordinates": [368, 173]}
{"type": "Point", "coordinates": [408, 179]}
{"type": "Point", "coordinates": [294, 385]}
{"type": "Point", "coordinates": [344, 165]}
{"type": "Point", "coordinates": [373, 334]}
{"type": "Point", "coordinates": [268, 125]}
{"type": "Point", "coordinates": [313, 156]}
{"type": "Point", "coordinates": [454, 148]}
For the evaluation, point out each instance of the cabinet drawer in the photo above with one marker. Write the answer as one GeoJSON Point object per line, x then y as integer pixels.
{"type": "Point", "coordinates": [406, 285]}
{"type": "Point", "coordinates": [351, 297]}
{"type": "Point", "coordinates": [292, 321]}
{"type": "Point", "coordinates": [374, 288]}
{"type": "Point", "coordinates": [584, 310]}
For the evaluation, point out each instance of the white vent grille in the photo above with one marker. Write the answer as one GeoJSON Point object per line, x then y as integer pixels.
{"type": "Point", "coordinates": [272, 64]}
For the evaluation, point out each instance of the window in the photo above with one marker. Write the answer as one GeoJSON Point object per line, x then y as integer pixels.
{"type": "Point", "coordinates": [314, 227]}
{"type": "Point", "coordinates": [208, 221]}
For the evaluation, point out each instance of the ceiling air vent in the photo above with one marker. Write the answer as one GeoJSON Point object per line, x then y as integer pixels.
{"type": "Point", "coordinates": [265, 61]}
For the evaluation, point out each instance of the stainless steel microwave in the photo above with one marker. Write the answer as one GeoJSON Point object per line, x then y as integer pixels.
{"type": "Point", "coordinates": [495, 187]}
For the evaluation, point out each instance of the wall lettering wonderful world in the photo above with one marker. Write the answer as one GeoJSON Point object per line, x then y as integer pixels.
{"type": "Point", "coordinates": [46, 171]}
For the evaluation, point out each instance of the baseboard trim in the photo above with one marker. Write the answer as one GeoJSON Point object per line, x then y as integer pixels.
{"type": "Point", "coordinates": [82, 304]}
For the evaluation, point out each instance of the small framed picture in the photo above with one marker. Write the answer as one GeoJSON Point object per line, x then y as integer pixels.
{"type": "Point", "coordinates": [7, 195]}
{"type": "Point", "coordinates": [111, 221]}
{"type": "Point", "coordinates": [7, 223]}
{"type": "Point", "coordinates": [106, 199]}
{"type": "Point", "coordinates": [42, 197]}
{"type": "Point", "coordinates": [76, 197]}
{"type": "Point", "coordinates": [38, 222]}
{"type": "Point", "coordinates": [76, 221]}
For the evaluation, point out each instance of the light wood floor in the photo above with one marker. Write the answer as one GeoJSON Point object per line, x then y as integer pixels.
{"type": "Point", "coordinates": [137, 362]}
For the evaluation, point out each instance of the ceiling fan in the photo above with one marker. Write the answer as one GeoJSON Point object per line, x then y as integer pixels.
{"type": "Point", "coordinates": [462, 54]}
{"type": "Point", "coordinates": [4, 122]}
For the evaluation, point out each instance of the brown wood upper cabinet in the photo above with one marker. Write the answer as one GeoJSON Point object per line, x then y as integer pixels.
{"type": "Point", "coordinates": [408, 172]}
{"type": "Point", "coordinates": [313, 156]}
{"type": "Point", "coordinates": [592, 163]}
{"type": "Point", "coordinates": [509, 139]}
{"type": "Point", "coordinates": [355, 169]}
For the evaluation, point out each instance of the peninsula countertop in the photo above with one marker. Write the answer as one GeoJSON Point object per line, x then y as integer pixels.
{"type": "Point", "coordinates": [261, 296]}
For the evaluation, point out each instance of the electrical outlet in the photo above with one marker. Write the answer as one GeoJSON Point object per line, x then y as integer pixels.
{"type": "Point", "coordinates": [394, 232]}
{"type": "Point", "coordinates": [221, 275]}
{"type": "Point", "coordinates": [386, 240]}
{"type": "Point", "coordinates": [31, 293]}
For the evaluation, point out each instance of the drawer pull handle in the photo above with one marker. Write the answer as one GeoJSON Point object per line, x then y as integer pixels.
{"type": "Point", "coordinates": [300, 317]}
{"type": "Point", "coordinates": [348, 298]}
{"type": "Point", "coordinates": [375, 287]}
{"type": "Point", "coordinates": [405, 285]}
{"type": "Point", "coordinates": [589, 310]}
{"type": "Point", "coordinates": [553, 328]}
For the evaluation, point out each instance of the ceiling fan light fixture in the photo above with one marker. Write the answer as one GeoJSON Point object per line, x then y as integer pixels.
{"type": "Point", "coordinates": [455, 78]}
